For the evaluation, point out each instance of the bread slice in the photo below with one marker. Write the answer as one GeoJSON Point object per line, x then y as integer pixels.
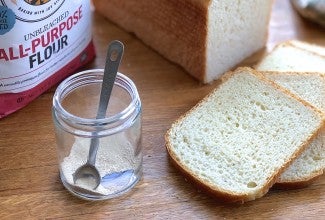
{"type": "Point", "coordinates": [308, 46]}
{"type": "Point", "coordinates": [238, 140]}
{"type": "Point", "coordinates": [205, 37]}
{"type": "Point", "coordinates": [286, 57]}
{"type": "Point", "coordinates": [311, 164]}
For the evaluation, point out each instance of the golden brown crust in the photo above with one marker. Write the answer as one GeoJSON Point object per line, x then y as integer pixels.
{"type": "Point", "coordinates": [291, 73]}
{"type": "Point", "coordinates": [227, 195]}
{"type": "Point", "coordinates": [299, 184]}
{"type": "Point", "coordinates": [309, 51]}
{"type": "Point", "coordinates": [164, 29]}
{"type": "Point", "coordinates": [303, 182]}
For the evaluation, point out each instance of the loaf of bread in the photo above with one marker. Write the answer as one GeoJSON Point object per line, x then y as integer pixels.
{"type": "Point", "coordinates": [309, 86]}
{"type": "Point", "coordinates": [238, 140]}
{"type": "Point", "coordinates": [205, 37]}
{"type": "Point", "coordinates": [311, 164]}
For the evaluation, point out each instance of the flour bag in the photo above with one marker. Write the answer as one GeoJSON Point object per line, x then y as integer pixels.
{"type": "Point", "coordinates": [41, 43]}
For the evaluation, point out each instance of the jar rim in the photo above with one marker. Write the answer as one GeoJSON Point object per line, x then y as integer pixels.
{"type": "Point", "coordinates": [124, 114]}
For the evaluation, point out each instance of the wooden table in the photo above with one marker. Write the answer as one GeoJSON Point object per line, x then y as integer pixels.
{"type": "Point", "coordinates": [30, 187]}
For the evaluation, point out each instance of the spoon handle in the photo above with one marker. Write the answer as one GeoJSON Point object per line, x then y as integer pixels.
{"type": "Point", "coordinates": [113, 59]}
{"type": "Point", "coordinates": [114, 56]}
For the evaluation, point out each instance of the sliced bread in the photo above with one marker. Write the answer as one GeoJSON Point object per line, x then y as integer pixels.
{"type": "Point", "coordinates": [311, 164]}
{"type": "Point", "coordinates": [308, 86]}
{"type": "Point", "coordinates": [286, 57]}
{"type": "Point", "coordinates": [238, 140]}
{"type": "Point", "coordinates": [308, 46]}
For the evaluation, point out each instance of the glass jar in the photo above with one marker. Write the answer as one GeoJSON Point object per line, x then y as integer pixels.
{"type": "Point", "coordinates": [119, 155]}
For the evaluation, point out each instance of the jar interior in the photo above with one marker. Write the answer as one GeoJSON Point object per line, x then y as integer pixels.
{"type": "Point", "coordinates": [83, 101]}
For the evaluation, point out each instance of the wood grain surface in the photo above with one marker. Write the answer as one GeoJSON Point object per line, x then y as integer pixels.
{"type": "Point", "coordinates": [30, 186]}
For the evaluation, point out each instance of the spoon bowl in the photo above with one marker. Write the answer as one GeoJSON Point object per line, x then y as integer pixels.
{"type": "Point", "coordinates": [87, 175]}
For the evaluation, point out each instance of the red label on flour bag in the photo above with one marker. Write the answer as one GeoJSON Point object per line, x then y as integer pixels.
{"type": "Point", "coordinates": [41, 42]}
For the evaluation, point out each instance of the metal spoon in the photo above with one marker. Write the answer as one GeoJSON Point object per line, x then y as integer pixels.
{"type": "Point", "coordinates": [88, 174]}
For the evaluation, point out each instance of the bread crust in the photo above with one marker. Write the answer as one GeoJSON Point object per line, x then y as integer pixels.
{"type": "Point", "coordinates": [289, 42]}
{"type": "Point", "coordinates": [229, 196]}
{"type": "Point", "coordinates": [301, 183]}
{"type": "Point", "coordinates": [165, 29]}
{"type": "Point", "coordinates": [291, 73]}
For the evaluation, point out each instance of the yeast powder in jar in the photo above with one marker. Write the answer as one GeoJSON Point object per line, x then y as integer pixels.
{"type": "Point", "coordinates": [41, 43]}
